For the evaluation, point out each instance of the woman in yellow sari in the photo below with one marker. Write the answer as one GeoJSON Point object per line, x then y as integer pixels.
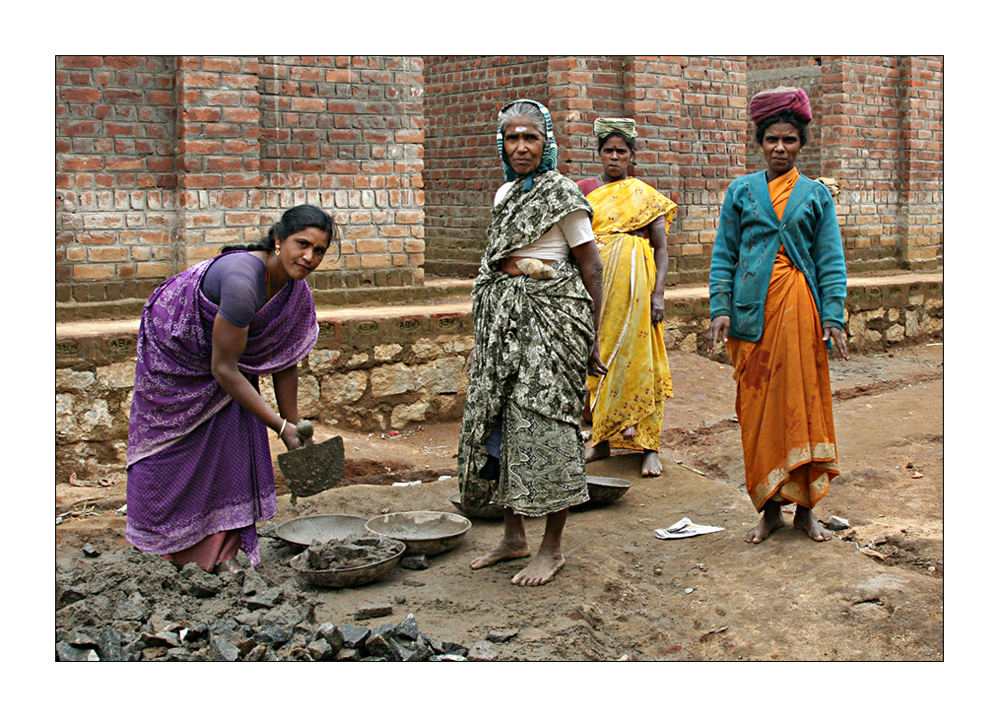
{"type": "Point", "coordinates": [631, 222]}
{"type": "Point", "coordinates": [777, 288]}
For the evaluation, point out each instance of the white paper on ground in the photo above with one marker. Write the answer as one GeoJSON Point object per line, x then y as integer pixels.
{"type": "Point", "coordinates": [685, 528]}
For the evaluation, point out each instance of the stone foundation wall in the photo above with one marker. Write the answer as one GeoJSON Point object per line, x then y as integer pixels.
{"type": "Point", "coordinates": [381, 373]}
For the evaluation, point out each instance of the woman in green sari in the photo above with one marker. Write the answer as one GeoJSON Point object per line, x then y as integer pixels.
{"type": "Point", "coordinates": [536, 305]}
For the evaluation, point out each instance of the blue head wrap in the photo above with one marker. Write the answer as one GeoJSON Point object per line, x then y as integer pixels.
{"type": "Point", "coordinates": [549, 152]}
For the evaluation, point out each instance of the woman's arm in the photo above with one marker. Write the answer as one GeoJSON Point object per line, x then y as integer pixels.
{"type": "Point", "coordinates": [286, 392]}
{"type": "Point", "coordinates": [658, 241]}
{"type": "Point", "coordinates": [592, 270]}
{"type": "Point", "coordinates": [831, 270]}
{"type": "Point", "coordinates": [228, 344]}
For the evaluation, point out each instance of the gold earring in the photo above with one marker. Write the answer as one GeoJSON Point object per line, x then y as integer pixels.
{"type": "Point", "coordinates": [277, 250]}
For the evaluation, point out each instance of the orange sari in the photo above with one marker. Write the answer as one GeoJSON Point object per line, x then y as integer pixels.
{"type": "Point", "coordinates": [783, 399]}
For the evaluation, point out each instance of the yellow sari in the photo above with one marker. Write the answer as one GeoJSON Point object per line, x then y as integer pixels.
{"type": "Point", "coordinates": [638, 378]}
{"type": "Point", "coordinates": [783, 398]}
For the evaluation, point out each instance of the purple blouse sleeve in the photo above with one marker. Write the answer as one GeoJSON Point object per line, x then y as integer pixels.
{"type": "Point", "coordinates": [235, 282]}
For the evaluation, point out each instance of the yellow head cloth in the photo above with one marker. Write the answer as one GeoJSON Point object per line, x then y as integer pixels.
{"type": "Point", "coordinates": [606, 126]}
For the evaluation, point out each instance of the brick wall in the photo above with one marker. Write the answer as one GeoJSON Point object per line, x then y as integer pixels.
{"type": "Point", "coordinates": [116, 176]}
{"type": "Point", "coordinates": [860, 149]}
{"type": "Point", "coordinates": [765, 72]}
{"type": "Point", "coordinates": [878, 124]}
{"type": "Point", "coordinates": [462, 95]}
{"type": "Point", "coordinates": [711, 153]}
{"type": "Point", "coordinates": [922, 164]}
{"type": "Point", "coordinates": [218, 155]}
{"type": "Point", "coordinates": [690, 112]}
{"type": "Point", "coordinates": [346, 133]}
{"type": "Point", "coordinates": [163, 160]}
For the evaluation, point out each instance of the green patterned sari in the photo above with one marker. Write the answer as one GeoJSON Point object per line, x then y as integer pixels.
{"type": "Point", "coordinates": [533, 339]}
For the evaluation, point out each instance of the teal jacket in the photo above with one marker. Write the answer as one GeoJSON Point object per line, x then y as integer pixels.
{"type": "Point", "coordinates": [747, 242]}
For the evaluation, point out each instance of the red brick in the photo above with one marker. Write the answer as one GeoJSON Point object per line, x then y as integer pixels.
{"type": "Point", "coordinates": [80, 61]}
{"type": "Point", "coordinates": [201, 180]}
{"type": "Point", "coordinates": [200, 115]}
{"type": "Point", "coordinates": [202, 147]}
{"type": "Point", "coordinates": [237, 180]}
{"type": "Point", "coordinates": [70, 163]}
{"type": "Point", "coordinates": [240, 115]}
{"type": "Point", "coordinates": [84, 127]}
{"type": "Point", "coordinates": [223, 163]}
{"type": "Point", "coordinates": [221, 65]}
{"type": "Point", "coordinates": [80, 95]}
{"type": "Point", "coordinates": [338, 76]}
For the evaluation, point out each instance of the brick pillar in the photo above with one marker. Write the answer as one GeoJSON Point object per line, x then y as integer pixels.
{"type": "Point", "coordinates": [651, 96]}
{"type": "Point", "coordinates": [690, 115]}
{"type": "Point", "coordinates": [883, 141]}
{"type": "Point", "coordinates": [572, 111]}
{"type": "Point", "coordinates": [711, 122]}
{"type": "Point", "coordinates": [218, 154]}
{"type": "Point", "coordinates": [921, 168]}
{"type": "Point", "coordinates": [859, 148]}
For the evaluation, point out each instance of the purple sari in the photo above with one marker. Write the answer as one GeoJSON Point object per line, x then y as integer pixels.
{"type": "Point", "coordinates": [198, 464]}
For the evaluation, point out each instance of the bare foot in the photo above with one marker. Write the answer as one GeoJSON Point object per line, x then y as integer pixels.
{"type": "Point", "coordinates": [600, 450]}
{"type": "Point", "coordinates": [629, 433]}
{"type": "Point", "coordinates": [230, 566]}
{"type": "Point", "coordinates": [503, 550]}
{"type": "Point", "coordinates": [769, 521]}
{"type": "Point", "coordinates": [807, 522]}
{"type": "Point", "coordinates": [541, 570]}
{"type": "Point", "coordinates": [651, 465]}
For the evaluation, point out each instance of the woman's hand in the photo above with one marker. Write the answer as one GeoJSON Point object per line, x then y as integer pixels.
{"type": "Point", "coordinates": [720, 326]}
{"type": "Point", "coordinates": [838, 340]}
{"type": "Point", "coordinates": [289, 437]}
{"type": "Point", "coordinates": [656, 308]}
{"type": "Point", "coordinates": [469, 362]}
{"type": "Point", "coordinates": [596, 367]}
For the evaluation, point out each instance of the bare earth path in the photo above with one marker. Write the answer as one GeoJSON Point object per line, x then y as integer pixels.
{"type": "Point", "coordinates": [874, 592]}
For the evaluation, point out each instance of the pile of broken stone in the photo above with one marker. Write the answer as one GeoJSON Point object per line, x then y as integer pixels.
{"type": "Point", "coordinates": [138, 607]}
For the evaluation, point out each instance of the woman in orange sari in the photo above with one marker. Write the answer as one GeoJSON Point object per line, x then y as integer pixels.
{"type": "Point", "coordinates": [777, 288]}
{"type": "Point", "coordinates": [631, 222]}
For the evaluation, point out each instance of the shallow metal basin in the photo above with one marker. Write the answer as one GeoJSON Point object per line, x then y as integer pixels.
{"type": "Point", "coordinates": [353, 577]}
{"type": "Point", "coordinates": [423, 532]}
{"type": "Point", "coordinates": [604, 490]}
{"type": "Point", "coordinates": [302, 530]}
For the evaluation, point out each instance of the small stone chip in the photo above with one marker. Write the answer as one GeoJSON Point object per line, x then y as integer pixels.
{"type": "Point", "coordinates": [482, 652]}
{"type": "Point", "coordinates": [417, 561]}
{"type": "Point", "coordinates": [501, 635]}
{"type": "Point", "coordinates": [372, 611]}
{"type": "Point", "coordinates": [354, 636]}
{"type": "Point", "coordinates": [836, 523]}
{"type": "Point", "coordinates": [407, 629]}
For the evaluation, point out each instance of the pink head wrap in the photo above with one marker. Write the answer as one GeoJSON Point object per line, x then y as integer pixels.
{"type": "Point", "coordinates": [769, 102]}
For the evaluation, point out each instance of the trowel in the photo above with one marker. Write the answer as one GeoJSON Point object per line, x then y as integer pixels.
{"type": "Point", "coordinates": [312, 468]}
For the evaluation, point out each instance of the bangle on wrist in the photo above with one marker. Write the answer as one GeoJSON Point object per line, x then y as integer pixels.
{"type": "Point", "coordinates": [282, 430]}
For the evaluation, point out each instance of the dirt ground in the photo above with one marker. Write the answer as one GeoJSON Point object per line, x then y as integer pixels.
{"type": "Point", "coordinates": [874, 592]}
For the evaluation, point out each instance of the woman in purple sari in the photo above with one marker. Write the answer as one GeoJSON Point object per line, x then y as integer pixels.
{"type": "Point", "coordinates": [199, 463]}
